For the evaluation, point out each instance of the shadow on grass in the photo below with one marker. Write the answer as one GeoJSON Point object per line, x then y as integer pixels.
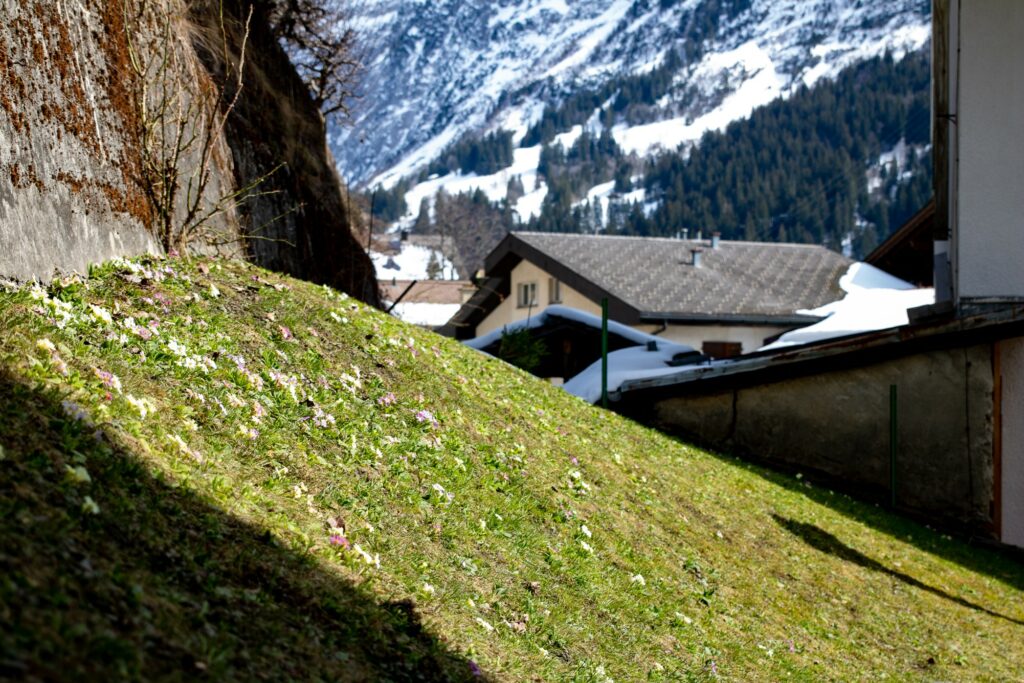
{"type": "Point", "coordinates": [160, 585]}
{"type": "Point", "coordinates": [978, 555]}
{"type": "Point", "coordinates": [825, 542]}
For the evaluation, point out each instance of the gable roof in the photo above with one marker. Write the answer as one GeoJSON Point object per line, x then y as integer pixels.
{"type": "Point", "coordinates": [908, 252]}
{"type": "Point", "coordinates": [652, 279]}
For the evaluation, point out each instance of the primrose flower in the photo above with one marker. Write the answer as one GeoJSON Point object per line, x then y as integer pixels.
{"type": "Point", "coordinates": [586, 546]}
{"type": "Point", "coordinates": [286, 333]}
{"type": "Point", "coordinates": [428, 589]}
{"type": "Point", "coordinates": [109, 379]}
{"type": "Point", "coordinates": [373, 560]}
{"type": "Point", "coordinates": [78, 474]}
{"type": "Point", "coordinates": [339, 540]}
{"type": "Point", "coordinates": [143, 406]}
{"type": "Point", "coordinates": [183, 447]}
{"type": "Point", "coordinates": [100, 314]}
{"type": "Point", "coordinates": [638, 578]}
{"type": "Point", "coordinates": [585, 531]}
{"type": "Point", "coordinates": [37, 293]}
{"type": "Point", "coordinates": [322, 419]}
{"type": "Point", "coordinates": [258, 412]}
{"type": "Point", "coordinates": [89, 506]}
{"type": "Point", "coordinates": [248, 433]}
{"type": "Point", "coordinates": [427, 416]}
{"type": "Point", "coordinates": [75, 412]}
{"type": "Point", "coordinates": [444, 495]}
{"type": "Point", "coordinates": [176, 348]}
{"type": "Point", "coordinates": [483, 623]}
{"type": "Point", "coordinates": [235, 401]}
{"type": "Point", "coordinates": [214, 292]}
{"type": "Point", "coordinates": [45, 345]}
{"type": "Point", "coordinates": [387, 399]}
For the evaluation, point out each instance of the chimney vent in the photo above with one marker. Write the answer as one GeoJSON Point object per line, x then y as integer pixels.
{"type": "Point", "coordinates": [700, 234]}
{"type": "Point", "coordinates": [696, 254]}
{"type": "Point", "coordinates": [716, 237]}
{"type": "Point", "coordinates": [686, 233]}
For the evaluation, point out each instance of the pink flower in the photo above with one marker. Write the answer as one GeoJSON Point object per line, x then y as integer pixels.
{"type": "Point", "coordinates": [338, 539]}
{"type": "Point", "coordinates": [286, 334]}
{"type": "Point", "coordinates": [387, 399]}
{"type": "Point", "coordinates": [427, 416]}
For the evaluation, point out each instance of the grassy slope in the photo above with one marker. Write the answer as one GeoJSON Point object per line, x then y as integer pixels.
{"type": "Point", "coordinates": [211, 551]}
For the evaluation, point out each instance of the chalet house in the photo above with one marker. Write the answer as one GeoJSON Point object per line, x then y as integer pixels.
{"type": "Point", "coordinates": [721, 297]}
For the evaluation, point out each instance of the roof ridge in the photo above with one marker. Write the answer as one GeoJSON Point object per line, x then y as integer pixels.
{"type": "Point", "coordinates": [674, 240]}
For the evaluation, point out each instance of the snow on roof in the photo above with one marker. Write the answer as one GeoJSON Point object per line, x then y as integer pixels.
{"type": "Point", "coordinates": [874, 300]}
{"type": "Point", "coordinates": [428, 315]}
{"type": "Point", "coordinates": [636, 362]}
{"type": "Point", "coordinates": [630, 363]}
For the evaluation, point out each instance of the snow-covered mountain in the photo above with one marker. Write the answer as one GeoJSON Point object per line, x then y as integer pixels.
{"type": "Point", "coordinates": [438, 69]}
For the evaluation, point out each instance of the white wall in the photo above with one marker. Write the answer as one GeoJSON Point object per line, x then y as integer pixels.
{"type": "Point", "coordinates": [751, 337]}
{"type": "Point", "coordinates": [988, 149]}
{"type": "Point", "coordinates": [508, 311]}
{"type": "Point", "coordinates": [1012, 362]}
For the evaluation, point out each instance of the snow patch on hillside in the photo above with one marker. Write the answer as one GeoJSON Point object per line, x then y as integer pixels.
{"type": "Point", "coordinates": [411, 263]}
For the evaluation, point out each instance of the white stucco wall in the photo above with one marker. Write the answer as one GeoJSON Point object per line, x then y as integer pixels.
{"type": "Point", "coordinates": [751, 337]}
{"type": "Point", "coordinates": [508, 310]}
{"type": "Point", "coordinates": [1012, 493]}
{"type": "Point", "coordinates": [989, 206]}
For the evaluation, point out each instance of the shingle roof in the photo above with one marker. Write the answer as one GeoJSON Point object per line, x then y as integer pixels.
{"type": "Point", "coordinates": [654, 275]}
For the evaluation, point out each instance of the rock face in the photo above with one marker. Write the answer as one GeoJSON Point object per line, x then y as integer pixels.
{"type": "Point", "coordinates": [297, 220]}
{"type": "Point", "coordinates": [73, 188]}
{"type": "Point", "coordinates": [69, 192]}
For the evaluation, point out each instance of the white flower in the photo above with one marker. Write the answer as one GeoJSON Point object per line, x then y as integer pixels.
{"type": "Point", "coordinates": [214, 292]}
{"type": "Point", "coordinates": [585, 531]}
{"type": "Point", "coordinates": [428, 589]}
{"type": "Point", "coordinates": [638, 578]}
{"type": "Point", "coordinates": [89, 505]}
{"type": "Point", "coordinates": [100, 314]}
{"type": "Point", "coordinates": [37, 292]}
{"type": "Point", "coordinates": [487, 627]}
{"type": "Point", "coordinates": [586, 546]}
{"type": "Point", "coordinates": [176, 348]}
{"type": "Point", "coordinates": [45, 345]}
{"type": "Point", "coordinates": [369, 559]}
{"type": "Point", "coordinates": [78, 474]}
{"type": "Point", "coordinates": [142, 405]}
{"type": "Point", "coordinates": [183, 447]}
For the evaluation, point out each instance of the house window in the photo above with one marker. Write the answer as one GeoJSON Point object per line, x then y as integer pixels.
{"type": "Point", "coordinates": [722, 349]}
{"type": "Point", "coordinates": [554, 290]}
{"type": "Point", "coordinates": [527, 297]}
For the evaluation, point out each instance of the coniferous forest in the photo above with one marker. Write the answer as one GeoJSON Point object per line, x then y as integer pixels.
{"type": "Point", "coordinates": [843, 163]}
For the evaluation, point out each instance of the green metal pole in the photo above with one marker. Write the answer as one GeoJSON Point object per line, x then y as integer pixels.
{"type": "Point", "coordinates": [604, 352]}
{"type": "Point", "coordinates": [893, 432]}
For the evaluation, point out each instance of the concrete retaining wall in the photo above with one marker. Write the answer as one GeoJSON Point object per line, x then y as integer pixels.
{"type": "Point", "coordinates": [835, 425]}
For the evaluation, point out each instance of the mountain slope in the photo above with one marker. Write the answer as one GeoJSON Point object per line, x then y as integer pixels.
{"type": "Point", "coordinates": [210, 471]}
{"type": "Point", "coordinates": [437, 70]}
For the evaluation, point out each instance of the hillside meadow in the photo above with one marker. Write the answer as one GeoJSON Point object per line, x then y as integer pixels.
{"type": "Point", "coordinates": [212, 472]}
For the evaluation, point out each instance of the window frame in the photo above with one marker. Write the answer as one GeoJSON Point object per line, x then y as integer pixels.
{"type": "Point", "coordinates": [554, 290]}
{"type": "Point", "coordinates": [526, 295]}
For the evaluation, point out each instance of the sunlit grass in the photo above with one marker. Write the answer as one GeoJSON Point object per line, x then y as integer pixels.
{"type": "Point", "coordinates": [536, 537]}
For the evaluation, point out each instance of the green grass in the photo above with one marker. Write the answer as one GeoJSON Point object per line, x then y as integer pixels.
{"type": "Point", "coordinates": [319, 492]}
